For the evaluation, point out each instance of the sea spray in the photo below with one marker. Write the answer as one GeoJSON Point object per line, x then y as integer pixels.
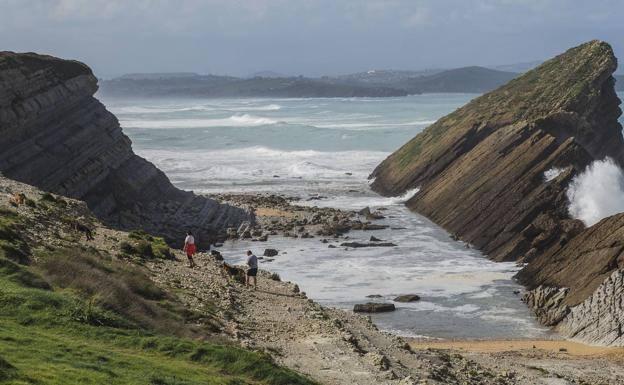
{"type": "Point", "coordinates": [598, 192]}
{"type": "Point", "coordinates": [552, 173]}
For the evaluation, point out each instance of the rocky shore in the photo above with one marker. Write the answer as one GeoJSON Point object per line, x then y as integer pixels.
{"type": "Point", "coordinates": [278, 215]}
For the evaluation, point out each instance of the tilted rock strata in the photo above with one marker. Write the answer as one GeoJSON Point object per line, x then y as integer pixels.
{"type": "Point", "coordinates": [598, 320]}
{"type": "Point", "coordinates": [55, 135]}
{"type": "Point", "coordinates": [481, 170]}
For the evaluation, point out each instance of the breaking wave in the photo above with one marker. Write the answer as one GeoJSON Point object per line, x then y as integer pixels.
{"type": "Point", "coordinates": [597, 192]}
{"type": "Point", "coordinates": [244, 120]}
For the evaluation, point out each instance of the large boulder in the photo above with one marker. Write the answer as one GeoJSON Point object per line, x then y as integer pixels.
{"type": "Point", "coordinates": [407, 298]}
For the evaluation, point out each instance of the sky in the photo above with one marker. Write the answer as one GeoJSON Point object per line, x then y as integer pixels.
{"type": "Point", "coordinates": [307, 37]}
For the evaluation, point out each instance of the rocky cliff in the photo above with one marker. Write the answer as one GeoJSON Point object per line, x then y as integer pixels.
{"type": "Point", "coordinates": [55, 135]}
{"type": "Point", "coordinates": [495, 172]}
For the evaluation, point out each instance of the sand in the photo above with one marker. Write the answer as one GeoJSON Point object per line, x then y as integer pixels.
{"type": "Point", "coordinates": [496, 346]}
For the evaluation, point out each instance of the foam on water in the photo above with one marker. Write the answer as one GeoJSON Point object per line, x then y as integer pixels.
{"type": "Point", "coordinates": [244, 120]}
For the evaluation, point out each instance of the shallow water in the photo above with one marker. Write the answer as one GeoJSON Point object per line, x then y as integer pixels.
{"type": "Point", "coordinates": [304, 147]}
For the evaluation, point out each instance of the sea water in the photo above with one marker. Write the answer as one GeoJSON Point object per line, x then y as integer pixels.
{"type": "Point", "coordinates": [328, 148]}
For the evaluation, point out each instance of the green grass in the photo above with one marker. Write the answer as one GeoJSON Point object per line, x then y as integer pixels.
{"type": "Point", "coordinates": [58, 332]}
{"type": "Point", "coordinates": [145, 246]}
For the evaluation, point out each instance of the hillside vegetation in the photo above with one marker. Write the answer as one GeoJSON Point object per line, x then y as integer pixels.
{"type": "Point", "coordinates": [72, 314]}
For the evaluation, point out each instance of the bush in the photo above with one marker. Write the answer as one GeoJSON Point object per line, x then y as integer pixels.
{"type": "Point", "coordinates": [275, 277]}
{"type": "Point", "coordinates": [146, 246]}
{"type": "Point", "coordinates": [126, 248]}
{"type": "Point", "coordinates": [144, 249]}
{"type": "Point", "coordinates": [47, 197]}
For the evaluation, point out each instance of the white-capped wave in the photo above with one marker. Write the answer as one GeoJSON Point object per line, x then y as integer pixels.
{"type": "Point", "coordinates": [597, 192]}
{"type": "Point", "coordinates": [256, 164]}
{"type": "Point", "coordinates": [364, 126]}
{"type": "Point", "coordinates": [244, 120]}
{"type": "Point", "coordinates": [269, 107]}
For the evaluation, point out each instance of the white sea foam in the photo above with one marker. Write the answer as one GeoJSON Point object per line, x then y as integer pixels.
{"type": "Point", "coordinates": [597, 192]}
{"type": "Point", "coordinates": [365, 126]}
{"type": "Point", "coordinates": [552, 173]}
{"type": "Point", "coordinates": [244, 120]}
{"type": "Point", "coordinates": [256, 164]}
{"type": "Point", "coordinates": [269, 107]}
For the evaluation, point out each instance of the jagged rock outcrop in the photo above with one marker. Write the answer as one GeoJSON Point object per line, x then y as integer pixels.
{"type": "Point", "coordinates": [481, 168]}
{"type": "Point", "coordinates": [598, 320]}
{"type": "Point", "coordinates": [481, 173]}
{"type": "Point", "coordinates": [55, 135]}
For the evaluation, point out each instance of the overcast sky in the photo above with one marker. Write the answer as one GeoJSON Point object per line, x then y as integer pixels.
{"type": "Point", "coordinates": [310, 37]}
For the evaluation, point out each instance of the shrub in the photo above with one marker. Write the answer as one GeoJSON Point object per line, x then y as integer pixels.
{"type": "Point", "coordinates": [126, 248]}
{"type": "Point", "coordinates": [47, 197]}
{"type": "Point", "coordinates": [30, 203]}
{"type": "Point", "coordinates": [146, 246]}
{"type": "Point", "coordinates": [144, 249]}
{"type": "Point", "coordinates": [275, 277]}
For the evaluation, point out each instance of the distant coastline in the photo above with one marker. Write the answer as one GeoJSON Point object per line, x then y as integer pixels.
{"type": "Point", "coordinates": [383, 83]}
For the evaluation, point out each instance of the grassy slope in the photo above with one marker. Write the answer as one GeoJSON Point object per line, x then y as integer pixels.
{"type": "Point", "coordinates": [61, 337]}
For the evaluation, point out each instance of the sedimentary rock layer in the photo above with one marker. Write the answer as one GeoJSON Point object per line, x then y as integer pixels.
{"type": "Point", "coordinates": [482, 171]}
{"type": "Point", "coordinates": [55, 135]}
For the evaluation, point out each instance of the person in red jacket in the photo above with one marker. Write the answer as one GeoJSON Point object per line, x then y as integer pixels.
{"type": "Point", "coordinates": [190, 248]}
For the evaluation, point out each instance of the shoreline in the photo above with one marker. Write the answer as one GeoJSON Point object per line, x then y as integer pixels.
{"type": "Point", "coordinates": [559, 346]}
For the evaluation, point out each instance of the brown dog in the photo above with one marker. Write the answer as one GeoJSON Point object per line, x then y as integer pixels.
{"type": "Point", "coordinates": [18, 199]}
{"type": "Point", "coordinates": [234, 272]}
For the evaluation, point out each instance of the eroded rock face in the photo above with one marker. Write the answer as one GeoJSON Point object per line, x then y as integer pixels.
{"type": "Point", "coordinates": [598, 320]}
{"type": "Point", "coordinates": [482, 172]}
{"type": "Point", "coordinates": [481, 168]}
{"type": "Point", "coordinates": [55, 135]}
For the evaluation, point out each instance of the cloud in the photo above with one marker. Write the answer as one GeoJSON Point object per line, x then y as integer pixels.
{"type": "Point", "coordinates": [304, 36]}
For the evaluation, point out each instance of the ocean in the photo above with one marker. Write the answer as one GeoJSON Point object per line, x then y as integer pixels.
{"type": "Point", "coordinates": [327, 148]}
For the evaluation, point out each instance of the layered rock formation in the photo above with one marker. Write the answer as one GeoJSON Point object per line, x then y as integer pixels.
{"type": "Point", "coordinates": [55, 135]}
{"type": "Point", "coordinates": [481, 173]}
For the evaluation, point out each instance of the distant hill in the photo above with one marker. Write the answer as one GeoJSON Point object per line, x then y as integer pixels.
{"type": "Point", "coordinates": [211, 86]}
{"type": "Point", "coordinates": [267, 74]}
{"type": "Point", "coordinates": [158, 75]}
{"type": "Point", "coordinates": [392, 78]}
{"type": "Point", "coordinates": [466, 79]}
{"type": "Point", "coordinates": [374, 83]}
